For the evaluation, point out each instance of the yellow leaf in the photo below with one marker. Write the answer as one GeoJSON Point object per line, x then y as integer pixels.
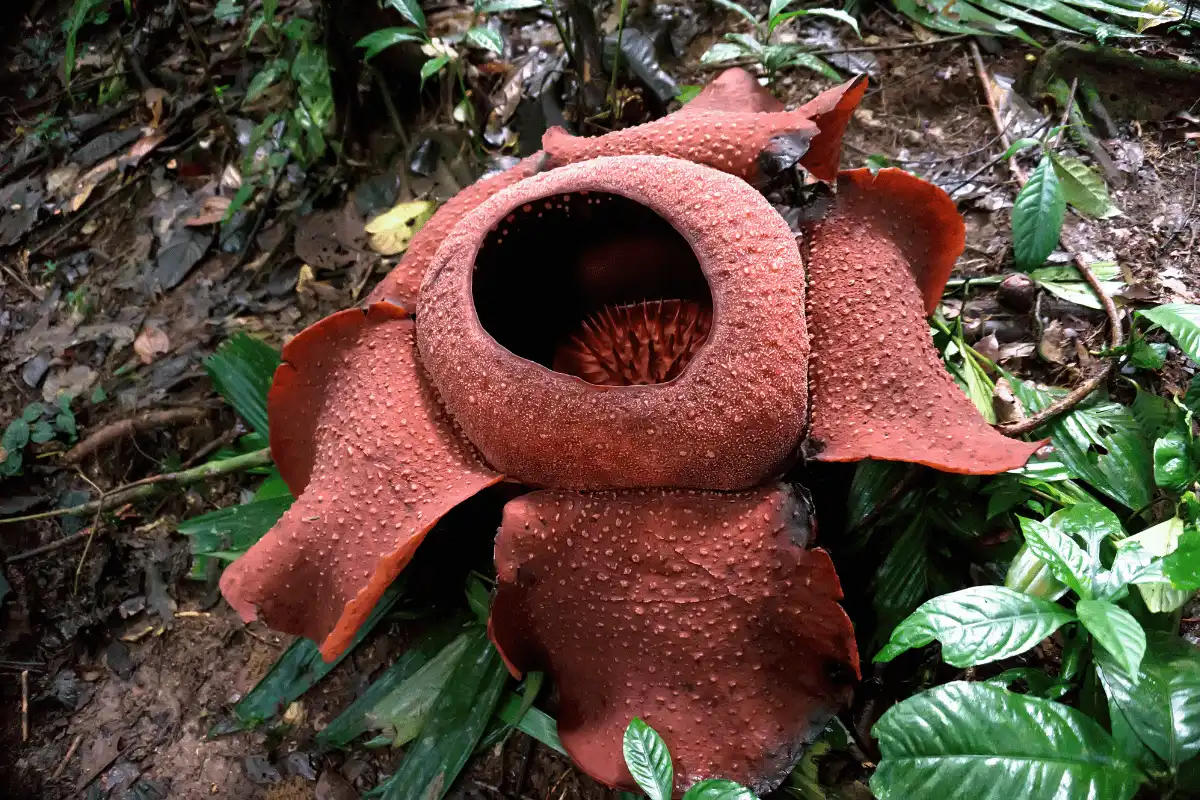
{"type": "Point", "coordinates": [391, 231]}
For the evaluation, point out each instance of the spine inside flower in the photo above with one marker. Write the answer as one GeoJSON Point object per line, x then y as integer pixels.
{"type": "Point", "coordinates": [636, 344]}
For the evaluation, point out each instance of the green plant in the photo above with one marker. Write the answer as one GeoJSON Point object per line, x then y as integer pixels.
{"type": "Point", "coordinates": [443, 53]}
{"type": "Point", "coordinates": [38, 423]}
{"type": "Point", "coordinates": [759, 47]}
{"type": "Point", "coordinates": [1130, 17]}
{"type": "Point", "coordinates": [1134, 718]}
{"type": "Point", "coordinates": [298, 132]}
{"type": "Point", "coordinates": [83, 12]}
{"type": "Point", "coordinates": [1040, 207]}
{"type": "Point", "coordinates": [649, 763]}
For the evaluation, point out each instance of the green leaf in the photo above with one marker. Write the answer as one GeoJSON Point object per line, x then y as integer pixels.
{"type": "Point", "coordinates": [1084, 189]}
{"type": "Point", "coordinates": [1088, 522]}
{"type": "Point", "coordinates": [1183, 566]}
{"type": "Point", "coordinates": [433, 66]}
{"type": "Point", "coordinates": [777, 7]}
{"type": "Point", "coordinates": [498, 6]}
{"type": "Point", "coordinates": [648, 760]}
{"type": "Point", "coordinates": [1069, 563]}
{"type": "Point", "coordinates": [1037, 683]}
{"type": "Point", "coordinates": [1191, 398]}
{"type": "Point", "coordinates": [1174, 469]}
{"type": "Point", "coordinates": [454, 725]}
{"type": "Point", "coordinates": [1100, 442]}
{"type": "Point", "coordinates": [41, 432]}
{"type": "Point", "coordinates": [1029, 575]}
{"type": "Point", "coordinates": [242, 370]}
{"type": "Point", "coordinates": [732, 6]}
{"type": "Point", "coordinates": [1158, 541]}
{"type": "Point", "coordinates": [12, 445]}
{"type": "Point", "coordinates": [485, 38]}
{"type": "Point", "coordinates": [873, 483]}
{"type": "Point", "coordinates": [1019, 145]}
{"type": "Point", "coordinates": [532, 722]}
{"type": "Point", "coordinates": [978, 625]}
{"type": "Point", "coordinates": [1037, 217]}
{"type": "Point", "coordinates": [901, 582]}
{"type": "Point", "coordinates": [301, 666]}
{"type": "Point", "coordinates": [265, 79]}
{"type": "Point", "coordinates": [1161, 704]}
{"type": "Point", "coordinates": [688, 92]}
{"type": "Point", "coordinates": [979, 741]}
{"type": "Point", "coordinates": [234, 529]}
{"type": "Point", "coordinates": [1148, 355]}
{"type": "Point", "coordinates": [410, 10]}
{"type": "Point", "coordinates": [384, 698]}
{"type": "Point", "coordinates": [33, 412]}
{"type": "Point", "coordinates": [380, 40]}
{"type": "Point", "coordinates": [1182, 321]}
{"type": "Point", "coordinates": [1116, 630]}
{"type": "Point", "coordinates": [722, 52]}
{"type": "Point", "coordinates": [811, 62]}
{"type": "Point", "coordinates": [719, 790]}
{"type": "Point", "coordinates": [832, 13]}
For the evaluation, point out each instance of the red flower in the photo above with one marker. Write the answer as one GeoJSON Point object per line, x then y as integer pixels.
{"type": "Point", "coordinates": [626, 322]}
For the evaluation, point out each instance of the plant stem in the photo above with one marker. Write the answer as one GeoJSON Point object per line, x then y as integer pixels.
{"type": "Point", "coordinates": [147, 486]}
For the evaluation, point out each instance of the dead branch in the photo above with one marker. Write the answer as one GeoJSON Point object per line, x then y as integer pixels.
{"type": "Point", "coordinates": [114, 431]}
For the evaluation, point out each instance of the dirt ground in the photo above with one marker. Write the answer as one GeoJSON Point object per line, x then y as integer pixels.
{"type": "Point", "coordinates": [119, 666]}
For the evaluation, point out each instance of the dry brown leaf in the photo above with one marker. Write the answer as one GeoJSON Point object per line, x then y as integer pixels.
{"type": "Point", "coordinates": [153, 99]}
{"type": "Point", "coordinates": [90, 180]}
{"type": "Point", "coordinates": [142, 148]}
{"type": "Point", "coordinates": [211, 212]}
{"type": "Point", "coordinates": [150, 344]}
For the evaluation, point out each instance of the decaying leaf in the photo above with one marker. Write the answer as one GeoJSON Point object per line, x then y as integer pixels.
{"type": "Point", "coordinates": [391, 231]}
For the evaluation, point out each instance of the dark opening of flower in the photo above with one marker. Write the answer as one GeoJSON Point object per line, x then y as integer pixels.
{"type": "Point", "coordinates": [553, 264]}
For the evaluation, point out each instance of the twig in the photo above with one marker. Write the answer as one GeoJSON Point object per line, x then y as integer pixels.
{"type": "Point", "coordinates": [216, 444]}
{"type": "Point", "coordinates": [262, 214]}
{"type": "Point", "coordinates": [21, 282]}
{"type": "Point", "coordinates": [128, 427]}
{"type": "Point", "coordinates": [882, 48]}
{"type": "Point", "coordinates": [57, 544]}
{"type": "Point", "coordinates": [1116, 337]}
{"type": "Point", "coordinates": [146, 486]}
{"type": "Point", "coordinates": [986, 82]}
{"type": "Point", "coordinates": [87, 546]}
{"type": "Point", "coordinates": [70, 752]}
{"type": "Point", "coordinates": [1066, 117]}
{"type": "Point", "coordinates": [24, 705]}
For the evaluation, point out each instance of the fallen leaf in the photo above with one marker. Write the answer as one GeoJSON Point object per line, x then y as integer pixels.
{"type": "Point", "coordinates": [153, 99]}
{"type": "Point", "coordinates": [90, 180]}
{"type": "Point", "coordinates": [60, 181]}
{"type": "Point", "coordinates": [392, 230]}
{"type": "Point", "coordinates": [142, 148]}
{"type": "Point", "coordinates": [151, 343]}
{"type": "Point", "coordinates": [211, 212]}
{"type": "Point", "coordinates": [73, 382]}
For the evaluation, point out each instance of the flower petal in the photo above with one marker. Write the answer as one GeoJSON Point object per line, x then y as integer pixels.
{"type": "Point", "coordinates": [879, 389]}
{"type": "Point", "coordinates": [403, 284]}
{"type": "Point", "coordinates": [701, 613]}
{"type": "Point", "coordinates": [732, 418]}
{"type": "Point", "coordinates": [718, 136]}
{"type": "Point", "coordinates": [374, 463]}
{"type": "Point", "coordinates": [735, 89]}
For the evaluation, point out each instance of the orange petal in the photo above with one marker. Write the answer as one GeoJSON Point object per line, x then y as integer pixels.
{"type": "Point", "coordinates": [701, 613]}
{"type": "Point", "coordinates": [374, 463]}
{"type": "Point", "coordinates": [879, 389]}
{"type": "Point", "coordinates": [733, 90]}
{"type": "Point", "coordinates": [831, 111]}
{"type": "Point", "coordinates": [403, 284]}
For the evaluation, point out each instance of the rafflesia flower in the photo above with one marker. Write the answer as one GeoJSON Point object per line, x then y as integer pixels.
{"type": "Point", "coordinates": [628, 328]}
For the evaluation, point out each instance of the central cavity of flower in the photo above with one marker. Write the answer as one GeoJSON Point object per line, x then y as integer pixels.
{"type": "Point", "coordinates": [594, 285]}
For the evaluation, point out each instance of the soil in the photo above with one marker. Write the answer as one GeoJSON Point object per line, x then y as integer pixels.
{"type": "Point", "coordinates": [119, 665]}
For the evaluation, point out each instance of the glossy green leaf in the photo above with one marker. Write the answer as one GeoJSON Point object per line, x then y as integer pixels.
{"type": "Point", "coordinates": [485, 38]}
{"type": "Point", "coordinates": [400, 698]}
{"type": "Point", "coordinates": [1115, 630]}
{"type": "Point", "coordinates": [530, 721]}
{"type": "Point", "coordinates": [977, 625]}
{"type": "Point", "coordinates": [1030, 575]}
{"type": "Point", "coordinates": [873, 483]}
{"type": "Point", "coordinates": [719, 790]}
{"type": "Point", "coordinates": [234, 529]}
{"type": "Point", "coordinates": [688, 92]}
{"type": "Point", "coordinates": [498, 6]}
{"type": "Point", "coordinates": [1019, 145]}
{"type": "Point", "coordinates": [378, 41]}
{"type": "Point", "coordinates": [433, 66]}
{"type": "Point", "coordinates": [777, 7]}
{"type": "Point", "coordinates": [1037, 217]}
{"type": "Point", "coordinates": [454, 724]}
{"type": "Point", "coordinates": [242, 370]}
{"type": "Point", "coordinates": [409, 9]}
{"type": "Point", "coordinates": [1068, 562]}
{"type": "Point", "coordinates": [721, 52]}
{"type": "Point", "coordinates": [1158, 541]}
{"type": "Point", "coordinates": [1191, 398]}
{"type": "Point", "coordinates": [1174, 468]}
{"type": "Point", "coordinates": [979, 741]}
{"type": "Point", "coordinates": [1100, 442]}
{"type": "Point", "coordinates": [301, 666]}
{"type": "Point", "coordinates": [1036, 682]}
{"type": "Point", "coordinates": [1162, 705]}
{"type": "Point", "coordinates": [813, 63]}
{"type": "Point", "coordinates": [648, 760]}
{"type": "Point", "coordinates": [1083, 188]}
{"type": "Point", "coordinates": [1182, 321]}
{"type": "Point", "coordinates": [1148, 355]}
{"type": "Point", "coordinates": [1088, 522]}
{"type": "Point", "coordinates": [832, 13]}
{"type": "Point", "coordinates": [1182, 567]}
{"type": "Point", "coordinates": [737, 9]}
{"type": "Point", "coordinates": [902, 581]}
